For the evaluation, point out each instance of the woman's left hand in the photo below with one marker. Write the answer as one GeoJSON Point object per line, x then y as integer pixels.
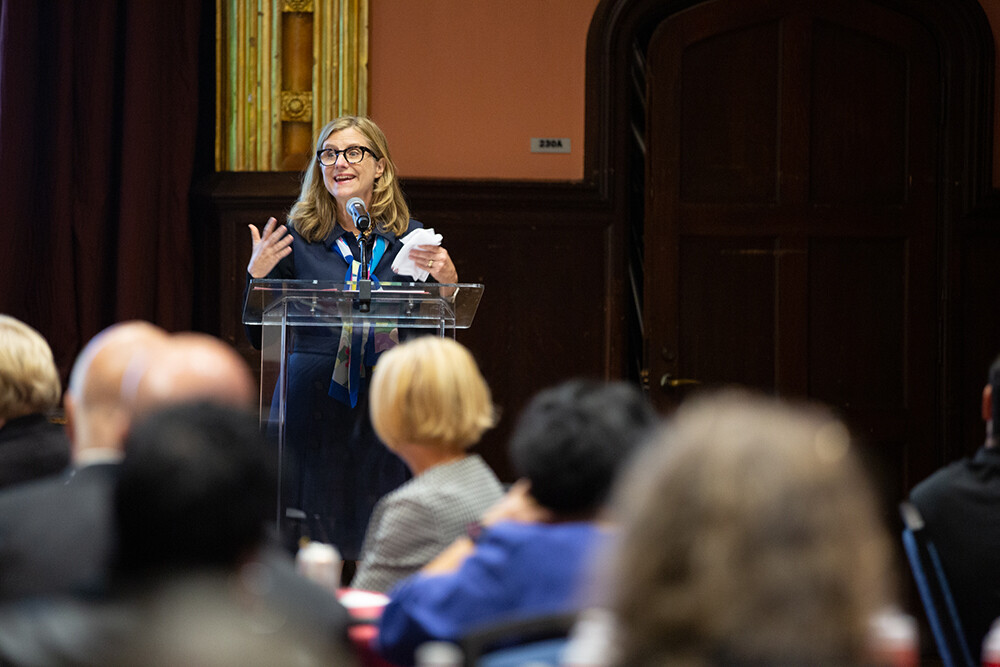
{"type": "Point", "coordinates": [517, 505]}
{"type": "Point", "coordinates": [436, 261]}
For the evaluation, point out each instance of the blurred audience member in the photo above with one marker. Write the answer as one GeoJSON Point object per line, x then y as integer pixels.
{"type": "Point", "coordinates": [429, 405]}
{"type": "Point", "coordinates": [30, 445]}
{"type": "Point", "coordinates": [193, 366]}
{"type": "Point", "coordinates": [960, 505]}
{"type": "Point", "coordinates": [56, 533]}
{"type": "Point", "coordinates": [751, 536]}
{"type": "Point", "coordinates": [196, 489]}
{"type": "Point", "coordinates": [198, 367]}
{"type": "Point", "coordinates": [203, 476]}
{"type": "Point", "coordinates": [535, 546]}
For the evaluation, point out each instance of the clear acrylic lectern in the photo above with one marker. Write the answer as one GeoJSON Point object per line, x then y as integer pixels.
{"type": "Point", "coordinates": [311, 317]}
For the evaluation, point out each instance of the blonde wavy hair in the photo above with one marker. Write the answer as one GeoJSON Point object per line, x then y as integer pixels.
{"type": "Point", "coordinates": [429, 391]}
{"type": "Point", "coordinates": [314, 215]}
{"type": "Point", "coordinates": [29, 381]}
{"type": "Point", "coordinates": [751, 536]}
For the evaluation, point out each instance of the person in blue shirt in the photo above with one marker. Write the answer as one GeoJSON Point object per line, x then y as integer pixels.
{"type": "Point", "coordinates": [534, 547]}
{"type": "Point", "coordinates": [336, 468]}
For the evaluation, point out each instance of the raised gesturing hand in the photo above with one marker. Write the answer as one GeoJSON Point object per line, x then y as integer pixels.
{"type": "Point", "coordinates": [269, 247]}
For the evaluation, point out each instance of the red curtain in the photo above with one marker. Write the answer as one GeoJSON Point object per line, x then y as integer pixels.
{"type": "Point", "coordinates": [98, 116]}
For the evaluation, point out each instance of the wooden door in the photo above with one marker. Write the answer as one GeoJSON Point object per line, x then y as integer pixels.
{"type": "Point", "coordinates": [791, 213]}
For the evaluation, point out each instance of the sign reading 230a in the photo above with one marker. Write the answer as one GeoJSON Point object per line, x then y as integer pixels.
{"type": "Point", "coordinates": [550, 145]}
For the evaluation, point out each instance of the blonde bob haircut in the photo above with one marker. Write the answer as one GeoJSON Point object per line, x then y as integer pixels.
{"type": "Point", "coordinates": [314, 215]}
{"type": "Point", "coordinates": [429, 391]}
{"type": "Point", "coordinates": [29, 381]}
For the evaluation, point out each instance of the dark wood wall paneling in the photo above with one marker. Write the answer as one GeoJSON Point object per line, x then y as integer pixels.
{"type": "Point", "coordinates": [970, 277]}
{"type": "Point", "coordinates": [541, 249]}
{"type": "Point", "coordinates": [968, 322]}
{"type": "Point", "coordinates": [977, 309]}
{"type": "Point", "coordinates": [551, 254]}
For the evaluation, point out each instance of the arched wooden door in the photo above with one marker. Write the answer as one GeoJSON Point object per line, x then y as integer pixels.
{"type": "Point", "coordinates": [791, 213]}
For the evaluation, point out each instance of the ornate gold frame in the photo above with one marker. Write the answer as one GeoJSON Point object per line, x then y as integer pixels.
{"type": "Point", "coordinates": [283, 69]}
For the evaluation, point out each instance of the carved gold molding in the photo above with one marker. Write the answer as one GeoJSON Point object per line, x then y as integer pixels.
{"type": "Point", "coordinates": [296, 106]}
{"type": "Point", "coordinates": [283, 69]}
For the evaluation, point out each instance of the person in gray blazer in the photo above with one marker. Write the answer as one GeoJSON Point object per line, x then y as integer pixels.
{"type": "Point", "coordinates": [429, 404]}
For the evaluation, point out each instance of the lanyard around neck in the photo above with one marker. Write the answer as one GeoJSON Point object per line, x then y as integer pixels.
{"type": "Point", "coordinates": [354, 266]}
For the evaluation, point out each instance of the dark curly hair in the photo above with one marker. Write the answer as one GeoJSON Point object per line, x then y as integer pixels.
{"type": "Point", "coordinates": [572, 439]}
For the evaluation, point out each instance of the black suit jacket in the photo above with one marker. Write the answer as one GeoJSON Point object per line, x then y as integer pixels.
{"type": "Point", "coordinates": [30, 448]}
{"type": "Point", "coordinates": [57, 534]}
{"type": "Point", "coordinates": [960, 505]}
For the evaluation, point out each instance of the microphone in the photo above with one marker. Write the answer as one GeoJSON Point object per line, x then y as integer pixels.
{"type": "Point", "coordinates": [359, 213]}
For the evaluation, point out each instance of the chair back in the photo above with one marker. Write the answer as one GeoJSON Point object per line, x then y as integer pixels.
{"type": "Point", "coordinates": [935, 594]}
{"type": "Point", "coordinates": [535, 640]}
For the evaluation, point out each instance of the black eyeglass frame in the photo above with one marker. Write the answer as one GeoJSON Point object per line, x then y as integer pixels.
{"type": "Point", "coordinates": [337, 154]}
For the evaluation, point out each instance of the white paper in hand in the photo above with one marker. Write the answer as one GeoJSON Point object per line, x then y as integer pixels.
{"type": "Point", "coordinates": [405, 266]}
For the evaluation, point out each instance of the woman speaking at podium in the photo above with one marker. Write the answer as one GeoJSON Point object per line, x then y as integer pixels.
{"type": "Point", "coordinates": [340, 468]}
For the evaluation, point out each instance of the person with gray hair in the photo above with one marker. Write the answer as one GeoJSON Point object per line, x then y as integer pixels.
{"type": "Point", "coordinates": [750, 536]}
{"type": "Point", "coordinates": [30, 445]}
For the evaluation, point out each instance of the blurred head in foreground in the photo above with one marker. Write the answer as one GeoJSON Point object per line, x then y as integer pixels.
{"type": "Point", "coordinates": [193, 366]}
{"type": "Point", "coordinates": [751, 536]}
{"type": "Point", "coordinates": [196, 488]}
{"type": "Point", "coordinates": [98, 406]}
{"type": "Point", "coordinates": [194, 499]}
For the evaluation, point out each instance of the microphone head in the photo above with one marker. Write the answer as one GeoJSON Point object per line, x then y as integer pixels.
{"type": "Point", "coordinates": [359, 213]}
